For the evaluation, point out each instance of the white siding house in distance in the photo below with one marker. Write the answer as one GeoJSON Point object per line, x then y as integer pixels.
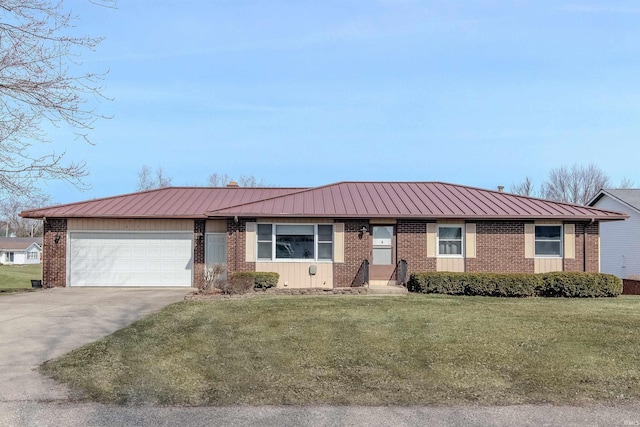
{"type": "Point", "coordinates": [620, 241]}
{"type": "Point", "coordinates": [20, 250]}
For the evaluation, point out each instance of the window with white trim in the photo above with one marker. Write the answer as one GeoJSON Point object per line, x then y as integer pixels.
{"type": "Point", "coordinates": [303, 242]}
{"type": "Point", "coordinates": [450, 240]}
{"type": "Point", "coordinates": [548, 241]}
{"type": "Point", "coordinates": [32, 256]}
{"type": "Point", "coordinates": [9, 256]}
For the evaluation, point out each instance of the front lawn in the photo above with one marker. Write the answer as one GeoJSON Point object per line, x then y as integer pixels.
{"type": "Point", "coordinates": [368, 351]}
{"type": "Point", "coordinates": [18, 277]}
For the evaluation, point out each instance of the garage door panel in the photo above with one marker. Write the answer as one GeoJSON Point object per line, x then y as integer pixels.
{"type": "Point", "coordinates": [130, 259]}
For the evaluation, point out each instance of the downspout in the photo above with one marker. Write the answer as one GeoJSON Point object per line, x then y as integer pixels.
{"type": "Point", "coordinates": [235, 257]}
{"type": "Point", "coordinates": [584, 245]}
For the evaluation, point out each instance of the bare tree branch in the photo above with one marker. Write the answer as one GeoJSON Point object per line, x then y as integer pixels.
{"type": "Point", "coordinates": [525, 188]}
{"type": "Point", "coordinates": [41, 83]}
{"type": "Point", "coordinates": [148, 181]}
{"type": "Point", "coordinates": [577, 184]}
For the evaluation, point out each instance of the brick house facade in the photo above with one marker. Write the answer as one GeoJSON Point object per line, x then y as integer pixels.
{"type": "Point", "coordinates": [497, 242]}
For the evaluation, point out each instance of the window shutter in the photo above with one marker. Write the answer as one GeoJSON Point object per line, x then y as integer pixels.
{"type": "Point", "coordinates": [250, 242]}
{"type": "Point", "coordinates": [470, 237]}
{"type": "Point", "coordinates": [529, 240]}
{"type": "Point", "coordinates": [338, 242]}
{"type": "Point", "coordinates": [431, 240]}
{"type": "Point", "coordinates": [570, 241]}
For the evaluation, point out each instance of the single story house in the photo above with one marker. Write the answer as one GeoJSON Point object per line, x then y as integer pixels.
{"type": "Point", "coordinates": [620, 241]}
{"type": "Point", "coordinates": [342, 234]}
{"type": "Point", "coordinates": [20, 250]}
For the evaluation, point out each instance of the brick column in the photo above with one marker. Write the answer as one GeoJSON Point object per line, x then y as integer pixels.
{"type": "Point", "coordinates": [236, 244]}
{"type": "Point", "coordinates": [357, 248]}
{"type": "Point", "coordinates": [54, 253]}
{"type": "Point", "coordinates": [411, 238]}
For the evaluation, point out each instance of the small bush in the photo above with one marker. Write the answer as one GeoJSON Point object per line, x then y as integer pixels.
{"type": "Point", "coordinates": [564, 284]}
{"type": "Point", "coordinates": [243, 281]}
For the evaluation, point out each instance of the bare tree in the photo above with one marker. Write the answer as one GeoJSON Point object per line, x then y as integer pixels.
{"type": "Point", "coordinates": [147, 180]}
{"type": "Point", "coordinates": [22, 227]}
{"type": "Point", "coordinates": [40, 83]}
{"type": "Point", "coordinates": [576, 184]}
{"type": "Point", "coordinates": [221, 180]}
{"type": "Point", "coordinates": [525, 188]}
{"type": "Point", "coordinates": [625, 183]}
{"type": "Point", "coordinates": [218, 179]}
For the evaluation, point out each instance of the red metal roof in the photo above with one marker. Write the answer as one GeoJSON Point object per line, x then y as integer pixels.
{"type": "Point", "coordinates": [411, 200]}
{"type": "Point", "coordinates": [340, 200]}
{"type": "Point", "coordinates": [171, 202]}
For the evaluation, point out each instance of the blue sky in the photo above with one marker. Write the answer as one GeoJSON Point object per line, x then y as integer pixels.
{"type": "Point", "coordinates": [305, 93]}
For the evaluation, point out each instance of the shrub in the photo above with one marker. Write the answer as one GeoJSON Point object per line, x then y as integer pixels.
{"type": "Point", "coordinates": [517, 285]}
{"type": "Point", "coordinates": [243, 281]}
{"type": "Point", "coordinates": [580, 285]}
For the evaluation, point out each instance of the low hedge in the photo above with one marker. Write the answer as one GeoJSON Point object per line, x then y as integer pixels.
{"type": "Point", "coordinates": [259, 279]}
{"type": "Point", "coordinates": [561, 284]}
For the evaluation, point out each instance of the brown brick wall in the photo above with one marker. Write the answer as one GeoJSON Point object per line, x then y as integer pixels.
{"type": "Point", "coordinates": [499, 248]}
{"type": "Point", "coordinates": [54, 262]}
{"type": "Point", "coordinates": [411, 240]}
{"type": "Point", "coordinates": [592, 258]}
{"type": "Point", "coordinates": [198, 252]}
{"type": "Point", "coordinates": [357, 248]}
{"type": "Point", "coordinates": [236, 246]}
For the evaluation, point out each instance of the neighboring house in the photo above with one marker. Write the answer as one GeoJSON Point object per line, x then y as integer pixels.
{"type": "Point", "coordinates": [620, 241]}
{"type": "Point", "coordinates": [343, 234]}
{"type": "Point", "coordinates": [20, 250]}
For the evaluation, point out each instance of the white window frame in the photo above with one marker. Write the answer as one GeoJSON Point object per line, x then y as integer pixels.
{"type": "Point", "coordinates": [462, 237]}
{"type": "Point", "coordinates": [561, 240]}
{"type": "Point", "coordinates": [315, 243]}
{"type": "Point", "coordinates": [10, 256]}
{"type": "Point", "coordinates": [32, 255]}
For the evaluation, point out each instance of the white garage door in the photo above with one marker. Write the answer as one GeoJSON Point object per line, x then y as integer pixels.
{"type": "Point", "coordinates": [130, 259]}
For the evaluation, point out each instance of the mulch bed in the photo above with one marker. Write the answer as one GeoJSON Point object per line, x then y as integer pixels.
{"type": "Point", "coordinates": [630, 287]}
{"type": "Point", "coordinates": [207, 295]}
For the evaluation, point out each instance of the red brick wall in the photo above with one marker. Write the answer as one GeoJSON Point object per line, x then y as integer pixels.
{"type": "Point", "coordinates": [198, 252]}
{"type": "Point", "coordinates": [357, 248]}
{"type": "Point", "coordinates": [499, 248]}
{"type": "Point", "coordinates": [54, 263]}
{"type": "Point", "coordinates": [630, 287]}
{"type": "Point", "coordinates": [411, 240]}
{"type": "Point", "coordinates": [236, 246]}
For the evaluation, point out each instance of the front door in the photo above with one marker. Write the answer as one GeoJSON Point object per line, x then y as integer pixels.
{"type": "Point", "coordinates": [383, 255]}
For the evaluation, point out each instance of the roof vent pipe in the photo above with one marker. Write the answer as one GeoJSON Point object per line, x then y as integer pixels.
{"type": "Point", "coordinates": [233, 184]}
{"type": "Point", "coordinates": [500, 188]}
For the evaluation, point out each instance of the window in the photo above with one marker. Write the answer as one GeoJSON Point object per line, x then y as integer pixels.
{"type": "Point", "coordinates": [295, 242]}
{"type": "Point", "coordinates": [450, 240]}
{"type": "Point", "coordinates": [548, 241]}
{"type": "Point", "coordinates": [32, 255]}
{"type": "Point", "coordinates": [9, 257]}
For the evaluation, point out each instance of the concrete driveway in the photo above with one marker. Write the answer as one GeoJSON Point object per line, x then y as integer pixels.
{"type": "Point", "coordinates": [38, 326]}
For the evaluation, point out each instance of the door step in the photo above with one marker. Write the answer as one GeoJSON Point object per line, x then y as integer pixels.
{"type": "Point", "coordinates": [387, 290]}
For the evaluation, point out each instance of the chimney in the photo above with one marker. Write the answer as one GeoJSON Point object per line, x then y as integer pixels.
{"type": "Point", "coordinates": [500, 188]}
{"type": "Point", "coordinates": [233, 184]}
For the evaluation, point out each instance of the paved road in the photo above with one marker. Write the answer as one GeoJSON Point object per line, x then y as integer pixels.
{"type": "Point", "coordinates": [36, 327]}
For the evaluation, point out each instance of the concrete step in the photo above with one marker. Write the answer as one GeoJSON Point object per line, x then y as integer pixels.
{"type": "Point", "coordinates": [387, 290]}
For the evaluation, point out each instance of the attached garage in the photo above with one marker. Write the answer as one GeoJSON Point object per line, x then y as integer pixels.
{"type": "Point", "coordinates": [130, 258]}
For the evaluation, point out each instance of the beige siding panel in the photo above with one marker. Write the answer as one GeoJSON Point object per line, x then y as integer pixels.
{"type": "Point", "coordinates": [296, 220]}
{"type": "Point", "coordinates": [250, 242]}
{"type": "Point", "coordinates": [529, 240]}
{"type": "Point", "coordinates": [216, 226]}
{"type": "Point", "coordinates": [470, 243]}
{"type": "Point", "coordinates": [383, 221]}
{"type": "Point", "coordinates": [338, 242]}
{"type": "Point", "coordinates": [105, 224]}
{"type": "Point", "coordinates": [296, 274]}
{"type": "Point", "coordinates": [431, 240]}
{"type": "Point", "coordinates": [548, 222]}
{"type": "Point", "coordinates": [547, 265]}
{"type": "Point", "coordinates": [570, 241]}
{"type": "Point", "coordinates": [455, 265]}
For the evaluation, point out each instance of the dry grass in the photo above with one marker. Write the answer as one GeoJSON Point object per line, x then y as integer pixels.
{"type": "Point", "coordinates": [369, 351]}
{"type": "Point", "coordinates": [17, 277]}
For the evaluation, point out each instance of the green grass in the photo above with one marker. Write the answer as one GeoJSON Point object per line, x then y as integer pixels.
{"type": "Point", "coordinates": [368, 351]}
{"type": "Point", "coordinates": [17, 278]}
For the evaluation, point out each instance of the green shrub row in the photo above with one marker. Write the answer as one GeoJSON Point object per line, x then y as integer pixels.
{"type": "Point", "coordinates": [560, 284]}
